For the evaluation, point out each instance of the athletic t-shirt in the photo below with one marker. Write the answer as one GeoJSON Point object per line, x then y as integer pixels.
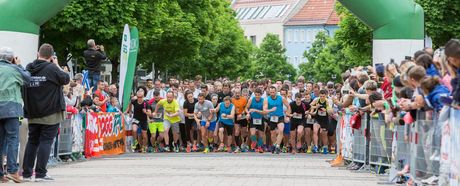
{"type": "Point", "coordinates": [239, 104]}
{"type": "Point", "coordinates": [225, 110]}
{"type": "Point", "coordinates": [190, 106]}
{"type": "Point", "coordinates": [278, 103]}
{"type": "Point", "coordinates": [170, 108]}
{"type": "Point", "coordinates": [138, 114]}
{"type": "Point", "coordinates": [298, 111]}
{"type": "Point", "coordinates": [222, 95]}
{"type": "Point", "coordinates": [101, 98]}
{"type": "Point", "coordinates": [205, 110]}
{"type": "Point", "coordinates": [258, 105]}
{"type": "Point", "coordinates": [160, 114]}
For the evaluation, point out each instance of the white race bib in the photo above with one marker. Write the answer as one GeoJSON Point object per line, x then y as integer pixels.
{"type": "Point", "coordinates": [297, 116]}
{"type": "Point", "coordinates": [310, 121]}
{"type": "Point", "coordinates": [257, 121]}
{"type": "Point", "coordinates": [158, 116]}
{"type": "Point", "coordinates": [274, 118]}
{"type": "Point", "coordinates": [322, 113]}
{"type": "Point", "coordinates": [191, 117]}
{"type": "Point", "coordinates": [243, 116]}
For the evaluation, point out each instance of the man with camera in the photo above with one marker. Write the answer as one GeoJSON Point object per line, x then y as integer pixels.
{"type": "Point", "coordinates": [45, 108]}
{"type": "Point", "coordinates": [13, 77]}
{"type": "Point", "coordinates": [94, 56]}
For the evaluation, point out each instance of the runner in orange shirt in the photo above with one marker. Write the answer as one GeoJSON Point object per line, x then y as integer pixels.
{"type": "Point", "coordinates": [241, 123]}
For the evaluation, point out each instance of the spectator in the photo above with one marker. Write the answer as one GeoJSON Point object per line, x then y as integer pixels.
{"type": "Point", "coordinates": [79, 90]}
{"type": "Point", "coordinates": [45, 110]}
{"type": "Point", "coordinates": [433, 90]}
{"type": "Point", "coordinates": [113, 91]}
{"type": "Point", "coordinates": [426, 61]}
{"type": "Point", "coordinates": [94, 56]}
{"type": "Point", "coordinates": [453, 56]}
{"type": "Point", "coordinates": [103, 99]}
{"type": "Point", "coordinates": [13, 76]}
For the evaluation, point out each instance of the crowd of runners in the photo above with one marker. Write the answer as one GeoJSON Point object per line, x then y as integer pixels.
{"type": "Point", "coordinates": [229, 116]}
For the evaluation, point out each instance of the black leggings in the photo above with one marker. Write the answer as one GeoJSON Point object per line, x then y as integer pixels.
{"type": "Point", "coordinates": [183, 134]}
{"type": "Point", "coordinates": [189, 123]}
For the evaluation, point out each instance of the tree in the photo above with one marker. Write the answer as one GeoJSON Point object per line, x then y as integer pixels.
{"type": "Point", "coordinates": [176, 35]}
{"type": "Point", "coordinates": [329, 57]}
{"type": "Point", "coordinates": [442, 18]}
{"type": "Point", "coordinates": [270, 61]}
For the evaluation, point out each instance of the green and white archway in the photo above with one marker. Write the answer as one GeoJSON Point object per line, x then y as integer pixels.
{"type": "Point", "coordinates": [398, 26]}
{"type": "Point", "coordinates": [20, 22]}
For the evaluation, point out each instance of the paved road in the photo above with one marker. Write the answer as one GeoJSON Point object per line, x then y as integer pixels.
{"type": "Point", "coordinates": [209, 169]}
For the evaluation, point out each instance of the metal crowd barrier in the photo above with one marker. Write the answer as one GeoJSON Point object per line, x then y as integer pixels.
{"type": "Point", "coordinates": [347, 138]}
{"type": "Point", "coordinates": [65, 137]}
{"type": "Point", "coordinates": [380, 148]}
{"type": "Point", "coordinates": [359, 142]}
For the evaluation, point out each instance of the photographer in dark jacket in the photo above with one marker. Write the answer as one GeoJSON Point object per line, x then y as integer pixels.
{"type": "Point", "coordinates": [93, 57]}
{"type": "Point", "coordinates": [45, 109]}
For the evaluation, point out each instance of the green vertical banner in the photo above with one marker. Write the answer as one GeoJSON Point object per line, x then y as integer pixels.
{"type": "Point", "coordinates": [128, 86]}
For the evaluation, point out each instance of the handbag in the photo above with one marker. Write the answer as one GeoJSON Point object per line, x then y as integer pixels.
{"type": "Point", "coordinates": [355, 121]}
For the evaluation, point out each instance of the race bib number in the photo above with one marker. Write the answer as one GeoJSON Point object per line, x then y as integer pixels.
{"type": "Point", "coordinates": [158, 116]}
{"type": "Point", "coordinates": [135, 121]}
{"type": "Point", "coordinates": [310, 121]}
{"type": "Point", "coordinates": [191, 117]}
{"type": "Point", "coordinates": [297, 116]}
{"type": "Point", "coordinates": [274, 118]}
{"type": "Point", "coordinates": [243, 116]}
{"type": "Point", "coordinates": [322, 113]}
{"type": "Point", "coordinates": [257, 121]}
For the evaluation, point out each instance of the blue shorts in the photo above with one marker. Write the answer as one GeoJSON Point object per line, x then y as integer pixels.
{"type": "Point", "coordinates": [212, 125]}
{"type": "Point", "coordinates": [287, 128]}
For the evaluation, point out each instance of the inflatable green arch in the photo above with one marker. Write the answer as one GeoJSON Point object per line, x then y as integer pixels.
{"type": "Point", "coordinates": [398, 26]}
{"type": "Point", "coordinates": [20, 22]}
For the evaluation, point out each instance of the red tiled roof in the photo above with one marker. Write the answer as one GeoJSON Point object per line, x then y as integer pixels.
{"type": "Point", "coordinates": [316, 12]}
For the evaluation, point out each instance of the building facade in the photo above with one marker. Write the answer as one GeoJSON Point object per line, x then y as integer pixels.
{"type": "Point", "coordinates": [260, 17]}
{"type": "Point", "coordinates": [296, 22]}
{"type": "Point", "coordinates": [301, 29]}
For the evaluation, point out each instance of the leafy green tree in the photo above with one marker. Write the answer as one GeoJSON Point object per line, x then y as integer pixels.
{"type": "Point", "coordinates": [184, 38]}
{"type": "Point", "coordinates": [442, 18]}
{"type": "Point", "coordinates": [270, 61]}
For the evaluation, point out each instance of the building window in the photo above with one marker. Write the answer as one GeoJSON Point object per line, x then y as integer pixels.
{"type": "Point", "coordinates": [295, 60]}
{"type": "Point", "coordinates": [302, 36]}
{"type": "Point", "coordinates": [288, 34]}
{"type": "Point", "coordinates": [253, 40]}
{"type": "Point", "coordinates": [296, 32]}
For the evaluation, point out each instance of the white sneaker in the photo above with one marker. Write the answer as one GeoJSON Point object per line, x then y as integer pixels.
{"type": "Point", "coordinates": [44, 179]}
{"type": "Point", "coordinates": [430, 180]}
{"type": "Point", "coordinates": [29, 179]}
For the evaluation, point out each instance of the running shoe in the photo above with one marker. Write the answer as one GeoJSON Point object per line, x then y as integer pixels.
{"type": "Point", "coordinates": [285, 149]}
{"type": "Point", "coordinates": [134, 145]}
{"type": "Point", "coordinates": [194, 148]}
{"type": "Point", "coordinates": [166, 149]}
{"type": "Point", "coordinates": [206, 150]}
{"type": "Point", "coordinates": [150, 150]}
{"type": "Point", "coordinates": [228, 149]}
{"type": "Point", "coordinates": [260, 149]}
{"type": "Point", "coordinates": [277, 150]}
{"type": "Point", "coordinates": [309, 150]}
{"type": "Point", "coordinates": [188, 149]}
{"type": "Point", "coordinates": [332, 150]}
{"type": "Point", "coordinates": [315, 149]}
{"type": "Point", "coordinates": [221, 147]}
{"type": "Point", "coordinates": [325, 150]}
{"type": "Point", "coordinates": [253, 145]}
{"type": "Point", "coordinates": [237, 150]}
{"type": "Point", "coordinates": [299, 145]}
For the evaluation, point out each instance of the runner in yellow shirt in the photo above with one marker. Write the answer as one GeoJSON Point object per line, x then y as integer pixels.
{"type": "Point", "coordinates": [171, 119]}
